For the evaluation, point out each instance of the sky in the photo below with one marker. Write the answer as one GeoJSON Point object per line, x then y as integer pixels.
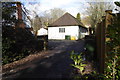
{"type": "Point", "coordinates": [70, 6]}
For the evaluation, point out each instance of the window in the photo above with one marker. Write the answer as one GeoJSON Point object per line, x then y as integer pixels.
{"type": "Point", "coordinates": [61, 30]}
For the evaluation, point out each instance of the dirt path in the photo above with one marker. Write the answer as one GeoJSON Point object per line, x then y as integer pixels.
{"type": "Point", "coordinates": [55, 64]}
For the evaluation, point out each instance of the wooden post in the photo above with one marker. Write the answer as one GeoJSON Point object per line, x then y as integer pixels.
{"type": "Point", "coordinates": [102, 59]}
{"type": "Point", "coordinates": [100, 39]}
{"type": "Point", "coordinates": [100, 44]}
{"type": "Point", "coordinates": [90, 30]}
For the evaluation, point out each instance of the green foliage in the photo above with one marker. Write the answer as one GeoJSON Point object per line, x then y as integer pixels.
{"type": "Point", "coordinates": [18, 43]}
{"type": "Point", "coordinates": [78, 61]}
{"type": "Point", "coordinates": [117, 3]}
{"type": "Point", "coordinates": [78, 16]}
{"type": "Point", "coordinates": [8, 10]}
{"type": "Point", "coordinates": [90, 49]}
{"type": "Point", "coordinates": [112, 62]}
{"type": "Point", "coordinates": [93, 76]}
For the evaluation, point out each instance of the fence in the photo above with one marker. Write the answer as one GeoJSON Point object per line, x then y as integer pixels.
{"type": "Point", "coordinates": [100, 44]}
{"type": "Point", "coordinates": [100, 39]}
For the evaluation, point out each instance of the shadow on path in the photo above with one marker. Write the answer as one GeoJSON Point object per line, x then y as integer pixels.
{"type": "Point", "coordinates": [55, 66]}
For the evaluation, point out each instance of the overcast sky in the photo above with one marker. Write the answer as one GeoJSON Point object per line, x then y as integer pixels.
{"type": "Point", "coordinates": [71, 6]}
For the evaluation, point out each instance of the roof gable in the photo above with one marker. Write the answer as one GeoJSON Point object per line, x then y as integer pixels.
{"type": "Point", "coordinates": [66, 20]}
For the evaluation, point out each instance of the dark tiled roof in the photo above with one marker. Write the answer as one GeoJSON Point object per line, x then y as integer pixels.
{"type": "Point", "coordinates": [66, 20]}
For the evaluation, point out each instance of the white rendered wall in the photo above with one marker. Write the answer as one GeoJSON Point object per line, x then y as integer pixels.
{"type": "Point", "coordinates": [42, 31]}
{"type": "Point", "coordinates": [53, 32]}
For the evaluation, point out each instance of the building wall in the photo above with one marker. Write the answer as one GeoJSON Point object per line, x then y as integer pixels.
{"type": "Point", "coordinates": [83, 32]}
{"type": "Point", "coordinates": [53, 32]}
{"type": "Point", "coordinates": [42, 31]}
{"type": "Point", "coordinates": [25, 18]}
{"type": "Point", "coordinates": [21, 14]}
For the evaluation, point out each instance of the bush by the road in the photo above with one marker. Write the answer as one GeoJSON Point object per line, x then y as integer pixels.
{"type": "Point", "coordinates": [18, 43]}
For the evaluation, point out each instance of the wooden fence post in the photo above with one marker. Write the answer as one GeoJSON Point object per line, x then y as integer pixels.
{"type": "Point", "coordinates": [101, 37]}
{"type": "Point", "coordinates": [102, 60]}
{"type": "Point", "coordinates": [100, 44]}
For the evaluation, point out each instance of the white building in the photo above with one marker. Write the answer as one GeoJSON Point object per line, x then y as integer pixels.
{"type": "Point", "coordinates": [42, 31]}
{"type": "Point", "coordinates": [67, 27]}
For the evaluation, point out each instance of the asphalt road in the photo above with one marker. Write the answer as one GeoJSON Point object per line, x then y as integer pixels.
{"type": "Point", "coordinates": [56, 65]}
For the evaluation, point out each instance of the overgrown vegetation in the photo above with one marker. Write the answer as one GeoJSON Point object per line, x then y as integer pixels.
{"type": "Point", "coordinates": [79, 63]}
{"type": "Point", "coordinates": [18, 43]}
{"type": "Point", "coordinates": [90, 48]}
{"type": "Point", "coordinates": [112, 62]}
{"type": "Point", "coordinates": [8, 10]}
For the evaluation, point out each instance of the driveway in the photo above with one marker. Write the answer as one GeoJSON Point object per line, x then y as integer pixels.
{"type": "Point", "coordinates": [55, 65]}
{"type": "Point", "coordinates": [66, 45]}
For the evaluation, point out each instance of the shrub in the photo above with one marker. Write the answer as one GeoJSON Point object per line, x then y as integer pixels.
{"type": "Point", "coordinates": [78, 61]}
{"type": "Point", "coordinates": [18, 43]}
{"type": "Point", "coordinates": [112, 61]}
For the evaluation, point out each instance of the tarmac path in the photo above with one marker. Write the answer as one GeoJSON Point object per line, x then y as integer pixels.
{"type": "Point", "coordinates": [56, 64]}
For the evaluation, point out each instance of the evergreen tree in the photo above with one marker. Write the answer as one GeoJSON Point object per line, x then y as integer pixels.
{"type": "Point", "coordinates": [8, 10]}
{"type": "Point", "coordinates": [78, 16]}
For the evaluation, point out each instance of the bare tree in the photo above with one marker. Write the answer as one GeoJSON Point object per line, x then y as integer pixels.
{"type": "Point", "coordinates": [46, 19]}
{"type": "Point", "coordinates": [96, 10]}
{"type": "Point", "coordinates": [51, 15]}
{"type": "Point", "coordinates": [56, 13]}
{"type": "Point", "coordinates": [86, 20]}
{"type": "Point", "coordinates": [36, 24]}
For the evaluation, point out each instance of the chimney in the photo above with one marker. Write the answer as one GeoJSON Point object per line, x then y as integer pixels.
{"type": "Point", "coordinates": [20, 22]}
{"type": "Point", "coordinates": [19, 11]}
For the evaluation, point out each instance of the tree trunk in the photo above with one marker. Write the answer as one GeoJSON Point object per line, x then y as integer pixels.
{"type": "Point", "coordinates": [36, 32]}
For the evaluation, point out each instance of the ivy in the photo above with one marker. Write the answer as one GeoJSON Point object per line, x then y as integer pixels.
{"type": "Point", "coordinates": [112, 70]}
